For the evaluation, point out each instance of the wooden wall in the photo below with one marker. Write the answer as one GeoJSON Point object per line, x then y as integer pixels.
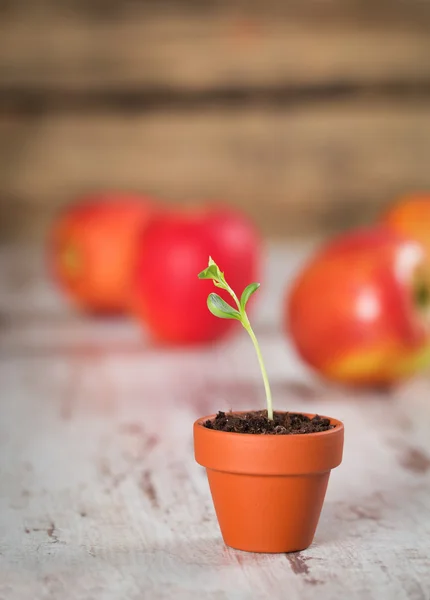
{"type": "Point", "coordinates": [311, 115]}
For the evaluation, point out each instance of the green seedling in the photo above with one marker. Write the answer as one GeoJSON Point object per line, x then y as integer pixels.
{"type": "Point", "coordinates": [223, 310]}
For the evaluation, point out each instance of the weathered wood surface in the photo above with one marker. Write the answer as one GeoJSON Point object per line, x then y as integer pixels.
{"type": "Point", "coordinates": [204, 45]}
{"type": "Point", "coordinates": [98, 501]}
{"type": "Point", "coordinates": [295, 171]}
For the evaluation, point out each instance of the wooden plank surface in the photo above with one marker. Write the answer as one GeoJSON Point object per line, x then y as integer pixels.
{"type": "Point", "coordinates": [310, 116]}
{"type": "Point", "coordinates": [194, 46]}
{"type": "Point", "coordinates": [99, 493]}
{"type": "Point", "coordinates": [295, 171]}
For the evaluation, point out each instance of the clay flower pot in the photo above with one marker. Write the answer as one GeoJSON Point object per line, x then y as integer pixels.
{"type": "Point", "coordinates": [268, 490]}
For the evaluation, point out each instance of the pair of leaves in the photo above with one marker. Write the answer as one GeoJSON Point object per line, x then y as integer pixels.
{"type": "Point", "coordinates": [216, 304]}
{"type": "Point", "coordinates": [221, 309]}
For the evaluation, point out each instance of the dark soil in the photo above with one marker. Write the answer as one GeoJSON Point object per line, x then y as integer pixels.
{"type": "Point", "coordinates": [258, 423]}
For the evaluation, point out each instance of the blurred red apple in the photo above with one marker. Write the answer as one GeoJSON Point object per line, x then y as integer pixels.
{"type": "Point", "coordinates": [410, 216]}
{"type": "Point", "coordinates": [92, 248]}
{"type": "Point", "coordinates": [359, 312]}
{"type": "Point", "coordinates": [167, 295]}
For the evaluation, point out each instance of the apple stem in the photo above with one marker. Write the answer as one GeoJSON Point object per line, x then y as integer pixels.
{"type": "Point", "coordinates": [246, 324]}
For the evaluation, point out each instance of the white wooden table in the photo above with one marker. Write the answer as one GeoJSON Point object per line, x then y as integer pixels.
{"type": "Point", "coordinates": [96, 502]}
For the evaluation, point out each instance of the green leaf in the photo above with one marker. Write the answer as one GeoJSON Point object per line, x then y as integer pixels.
{"type": "Point", "coordinates": [221, 309]}
{"type": "Point", "coordinates": [247, 293]}
{"type": "Point", "coordinates": [211, 272]}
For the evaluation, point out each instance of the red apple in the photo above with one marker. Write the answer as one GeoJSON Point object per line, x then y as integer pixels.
{"type": "Point", "coordinates": [359, 312]}
{"type": "Point", "coordinates": [167, 294]}
{"type": "Point", "coordinates": [410, 216]}
{"type": "Point", "coordinates": [92, 246]}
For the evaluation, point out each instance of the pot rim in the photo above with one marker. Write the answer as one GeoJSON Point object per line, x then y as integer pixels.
{"type": "Point", "coordinates": [339, 426]}
{"type": "Point", "coordinates": [265, 454]}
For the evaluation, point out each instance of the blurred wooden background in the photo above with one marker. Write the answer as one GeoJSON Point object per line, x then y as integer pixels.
{"type": "Point", "coordinates": [310, 115]}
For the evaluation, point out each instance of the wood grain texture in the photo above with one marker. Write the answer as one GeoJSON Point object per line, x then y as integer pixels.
{"type": "Point", "coordinates": [296, 171]}
{"type": "Point", "coordinates": [96, 501]}
{"type": "Point", "coordinates": [308, 115]}
{"type": "Point", "coordinates": [189, 45]}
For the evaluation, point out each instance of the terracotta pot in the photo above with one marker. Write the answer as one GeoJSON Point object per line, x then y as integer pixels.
{"type": "Point", "coordinates": [268, 490]}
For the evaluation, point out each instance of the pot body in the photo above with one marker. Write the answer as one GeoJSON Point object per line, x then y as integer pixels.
{"type": "Point", "coordinates": [268, 490]}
